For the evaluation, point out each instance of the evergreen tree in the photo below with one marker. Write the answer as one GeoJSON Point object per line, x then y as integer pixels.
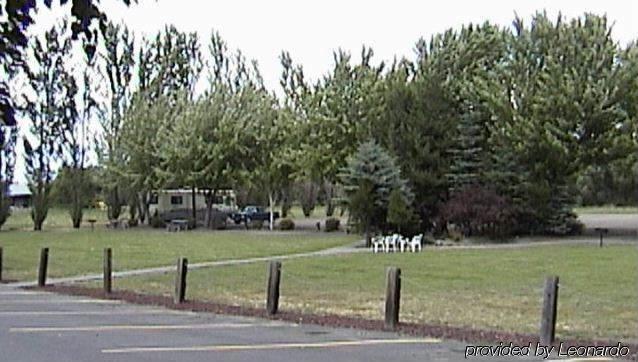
{"type": "Point", "coordinates": [400, 213]}
{"type": "Point", "coordinates": [468, 153]}
{"type": "Point", "coordinates": [369, 177]}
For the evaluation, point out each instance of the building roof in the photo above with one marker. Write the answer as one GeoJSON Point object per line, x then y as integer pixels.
{"type": "Point", "coordinates": [189, 191]}
{"type": "Point", "coordinates": [19, 190]}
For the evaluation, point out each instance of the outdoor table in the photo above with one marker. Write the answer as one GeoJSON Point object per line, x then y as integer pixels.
{"type": "Point", "coordinates": [178, 225]}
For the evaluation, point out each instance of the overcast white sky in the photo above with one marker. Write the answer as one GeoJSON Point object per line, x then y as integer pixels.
{"type": "Point", "coordinates": [310, 31]}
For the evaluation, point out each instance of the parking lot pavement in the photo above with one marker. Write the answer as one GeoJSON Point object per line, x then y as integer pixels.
{"type": "Point", "coordinates": [38, 326]}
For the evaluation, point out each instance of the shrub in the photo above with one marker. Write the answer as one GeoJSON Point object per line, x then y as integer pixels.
{"type": "Point", "coordinates": [479, 211]}
{"type": "Point", "coordinates": [156, 221]}
{"type": "Point", "coordinates": [255, 224]}
{"type": "Point", "coordinates": [454, 234]}
{"type": "Point", "coordinates": [132, 223]}
{"type": "Point", "coordinates": [572, 225]}
{"type": "Point", "coordinates": [401, 215]}
{"type": "Point", "coordinates": [575, 227]}
{"type": "Point", "coordinates": [371, 173]}
{"type": "Point", "coordinates": [286, 224]}
{"type": "Point", "coordinates": [332, 224]}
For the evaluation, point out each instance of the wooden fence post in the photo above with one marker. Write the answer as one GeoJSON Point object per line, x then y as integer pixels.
{"type": "Point", "coordinates": [42, 271]}
{"type": "Point", "coordinates": [180, 281]}
{"type": "Point", "coordinates": [108, 271]}
{"type": "Point", "coordinates": [0, 264]}
{"type": "Point", "coordinates": [272, 293]}
{"type": "Point", "coordinates": [550, 304]}
{"type": "Point", "coordinates": [392, 297]}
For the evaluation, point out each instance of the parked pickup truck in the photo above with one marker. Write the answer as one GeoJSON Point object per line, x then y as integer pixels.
{"type": "Point", "coordinates": [253, 213]}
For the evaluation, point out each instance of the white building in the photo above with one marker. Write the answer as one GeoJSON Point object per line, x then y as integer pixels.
{"type": "Point", "coordinates": [182, 199]}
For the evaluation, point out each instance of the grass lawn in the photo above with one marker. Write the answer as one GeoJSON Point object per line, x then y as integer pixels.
{"type": "Point", "coordinates": [76, 252]}
{"type": "Point", "coordinates": [319, 212]}
{"type": "Point", "coordinates": [606, 210]}
{"type": "Point", "coordinates": [296, 212]}
{"type": "Point", "coordinates": [57, 218]}
{"type": "Point", "coordinates": [491, 288]}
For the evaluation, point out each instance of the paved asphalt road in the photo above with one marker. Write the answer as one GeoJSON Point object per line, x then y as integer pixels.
{"type": "Point", "coordinates": [37, 326]}
{"type": "Point", "coordinates": [611, 221]}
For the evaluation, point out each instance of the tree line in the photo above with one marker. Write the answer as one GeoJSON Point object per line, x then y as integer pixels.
{"type": "Point", "coordinates": [492, 130]}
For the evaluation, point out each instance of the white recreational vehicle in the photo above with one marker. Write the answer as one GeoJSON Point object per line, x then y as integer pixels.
{"type": "Point", "coordinates": [163, 201]}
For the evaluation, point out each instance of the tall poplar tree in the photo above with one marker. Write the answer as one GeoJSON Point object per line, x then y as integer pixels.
{"type": "Point", "coordinates": [118, 68]}
{"type": "Point", "coordinates": [49, 107]}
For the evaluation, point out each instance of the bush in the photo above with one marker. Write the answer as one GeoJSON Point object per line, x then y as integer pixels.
{"type": "Point", "coordinates": [255, 224]}
{"type": "Point", "coordinates": [132, 223]}
{"type": "Point", "coordinates": [571, 226]}
{"type": "Point", "coordinates": [286, 224]}
{"type": "Point", "coordinates": [575, 226]}
{"type": "Point", "coordinates": [479, 211]}
{"type": "Point", "coordinates": [454, 234]}
{"type": "Point", "coordinates": [332, 224]}
{"type": "Point", "coordinates": [156, 221]}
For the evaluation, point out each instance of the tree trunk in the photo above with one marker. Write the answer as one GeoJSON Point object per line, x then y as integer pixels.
{"type": "Point", "coordinates": [210, 198]}
{"type": "Point", "coordinates": [40, 206]}
{"type": "Point", "coordinates": [285, 202]}
{"type": "Point", "coordinates": [330, 207]}
{"type": "Point", "coordinates": [141, 216]}
{"type": "Point", "coordinates": [145, 213]}
{"type": "Point", "coordinates": [270, 204]}
{"type": "Point", "coordinates": [77, 183]}
{"type": "Point", "coordinates": [114, 208]}
{"type": "Point", "coordinates": [194, 207]}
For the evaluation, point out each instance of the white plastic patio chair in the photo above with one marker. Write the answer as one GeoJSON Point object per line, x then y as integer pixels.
{"type": "Point", "coordinates": [391, 242]}
{"type": "Point", "coordinates": [403, 242]}
{"type": "Point", "coordinates": [416, 243]}
{"type": "Point", "coordinates": [377, 244]}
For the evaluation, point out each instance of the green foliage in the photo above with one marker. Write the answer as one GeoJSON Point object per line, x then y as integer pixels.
{"type": "Point", "coordinates": [467, 167]}
{"type": "Point", "coordinates": [40, 206]}
{"type": "Point", "coordinates": [557, 107]}
{"type": "Point", "coordinates": [545, 114]}
{"type": "Point", "coordinates": [8, 140]}
{"type": "Point", "coordinates": [114, 203]}
{"type": "Point", "coordinates": [51, 110]}
{"type": "Point", "coordinates": [118, 69]}
{"type": "Point", "coordinates": [169, 64]}
{"type": "Point", "coordinates": [400, 213]}
{"type": "Point", "coordinates": [334, 116]}
{"type": "Point", "coordinates": [16, 19]}
{"type": "Point", "coordinates": [73, 188]}
{"type": "Point", "coordinates": [368, 179]}
{"type": "Point", "coordinates": [615, 183]}
{"type": "Point", "coordinates": [286, 224]}
{"type": "Point", "coordinates": [307, 195]}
